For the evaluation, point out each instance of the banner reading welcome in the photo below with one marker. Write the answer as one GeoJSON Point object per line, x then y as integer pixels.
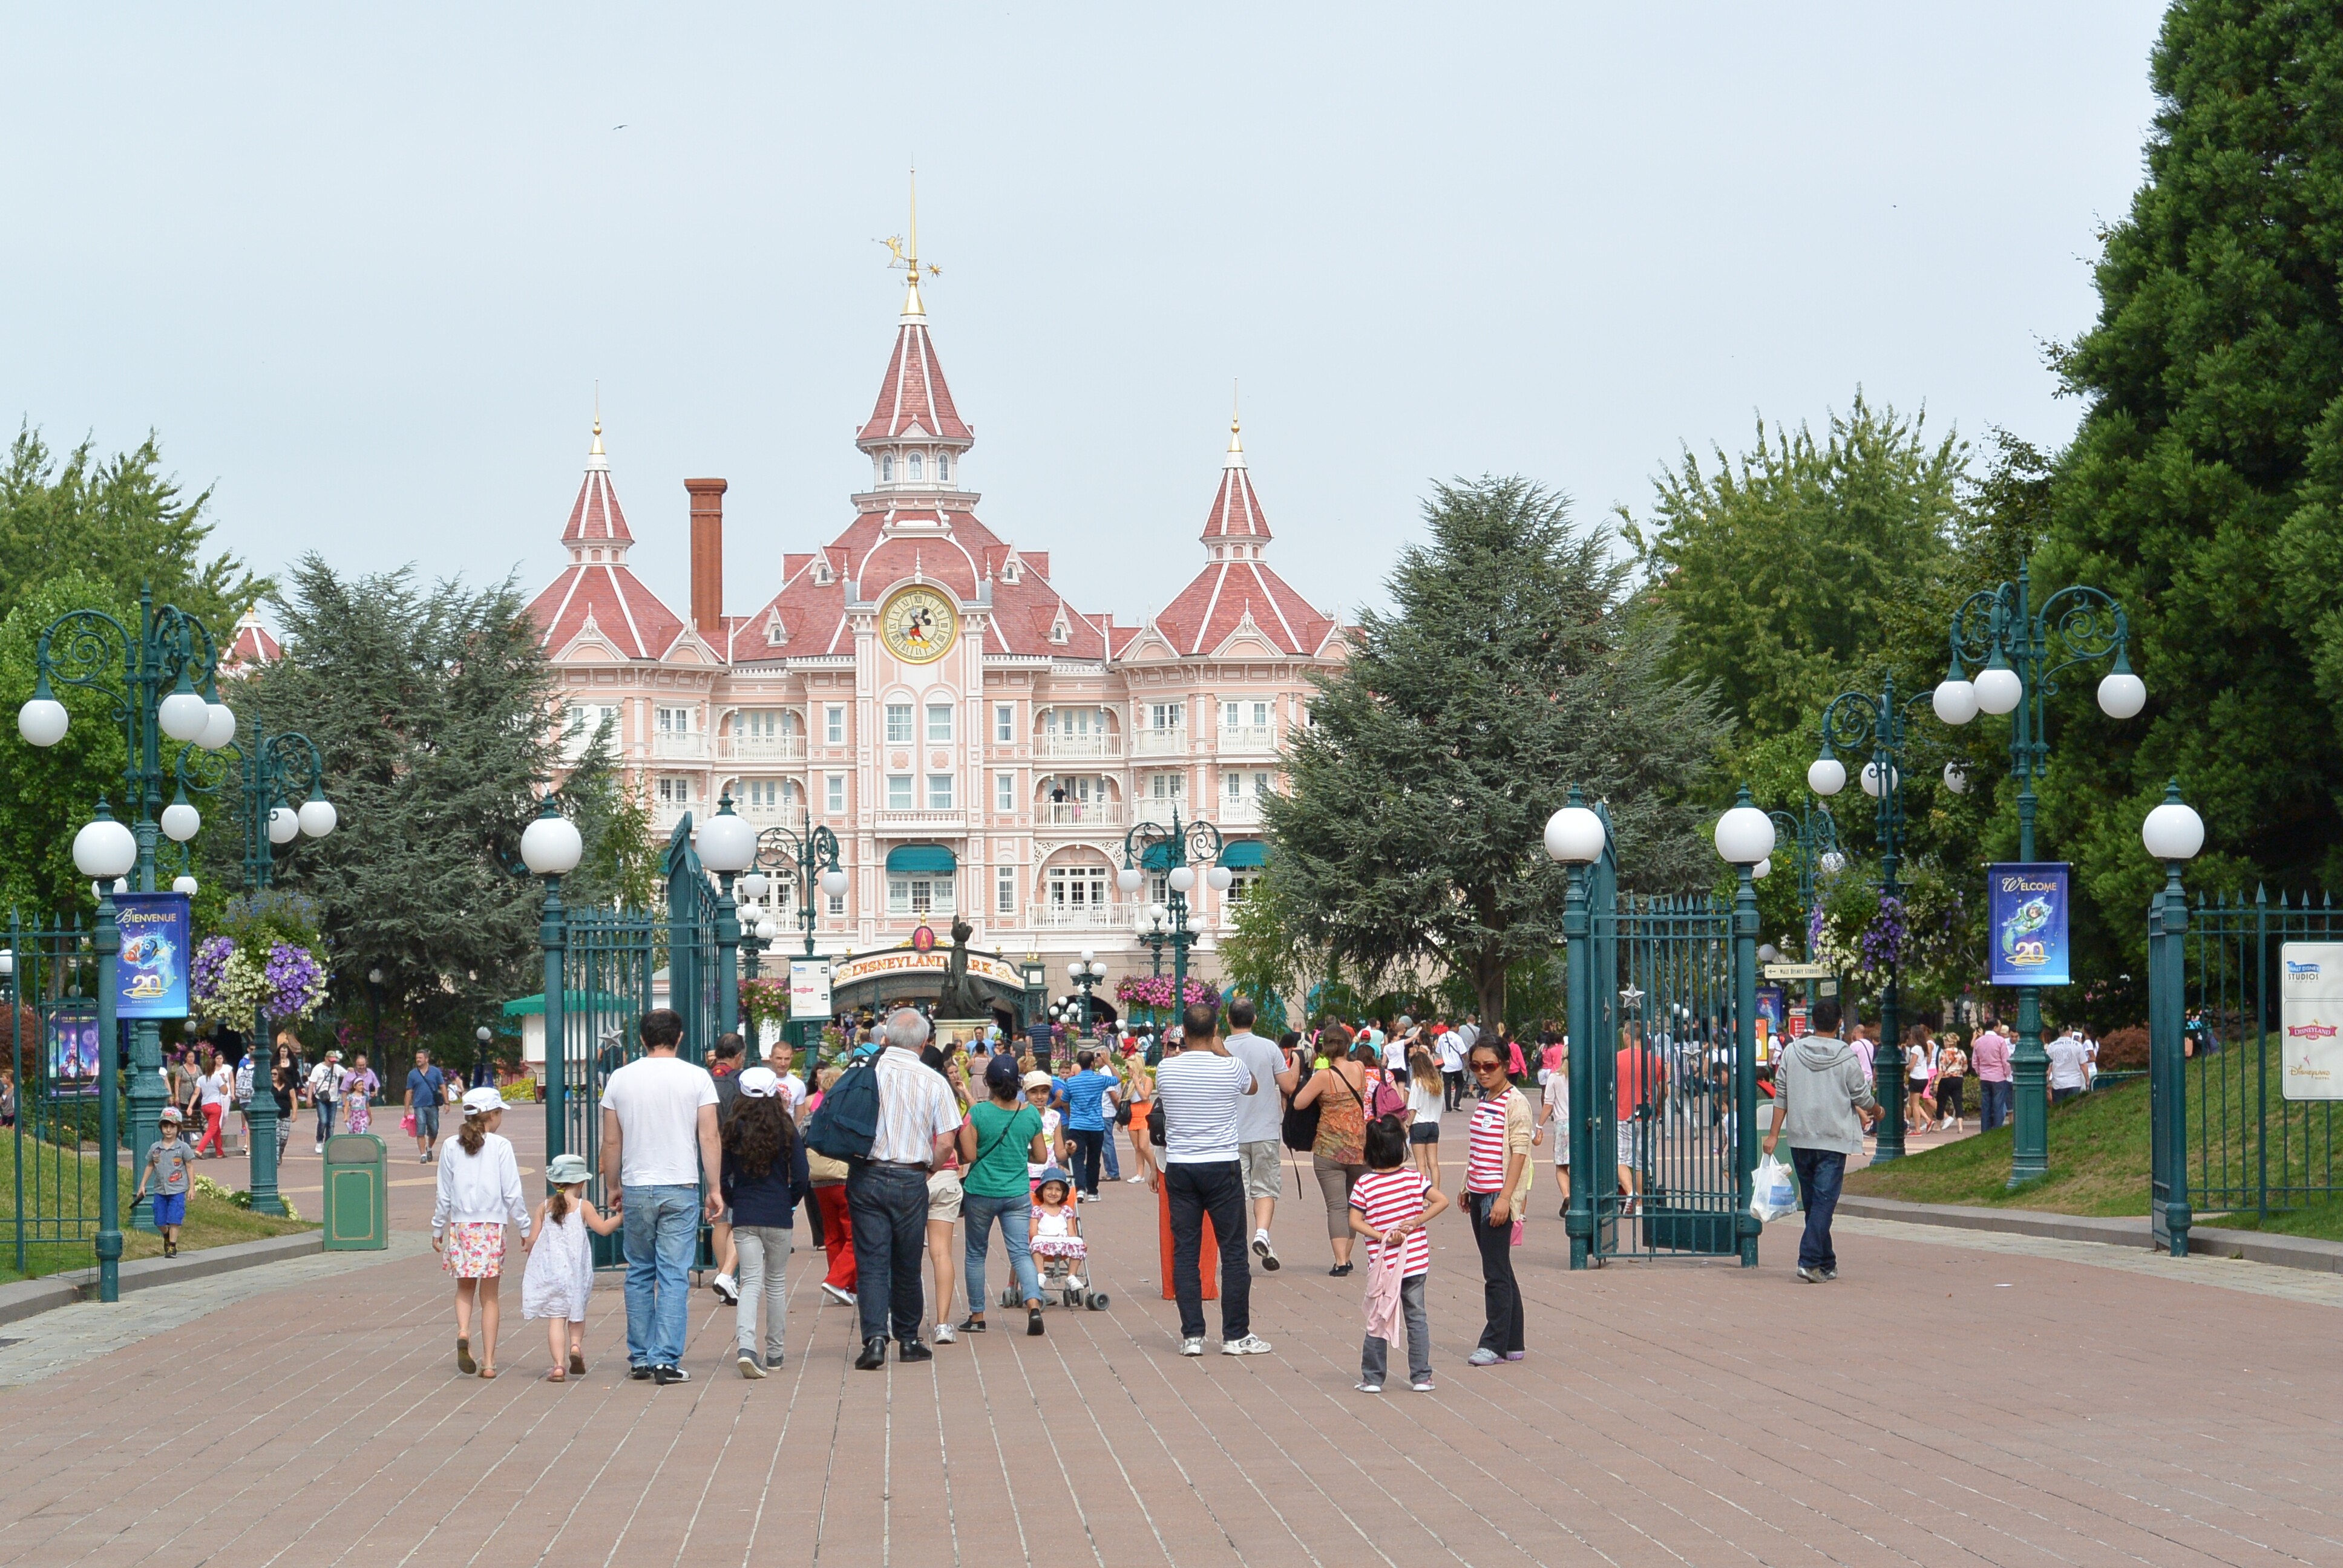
{"type": "Point", "coordinates": [2025, 910]}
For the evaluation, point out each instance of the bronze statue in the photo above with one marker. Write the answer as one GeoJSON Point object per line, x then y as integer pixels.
{"type": "Point", "coordinates": [961, 996]}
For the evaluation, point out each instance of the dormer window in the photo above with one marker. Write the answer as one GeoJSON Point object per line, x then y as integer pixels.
{"type": "Point", "coordinates": [1059, 630]}
{"type": "Point", "coordinates": [915, 468]}
{"type": "Point", "coordinates": [822, 573]}
{"type": "Point", "coordinates": [887, 469]}
{"type": "Point", "coordinates": [943, 467]}
{"type": "Point", "coordinates": [774, 633]}
{"type": "Point", "coordinates": [1009, 571]}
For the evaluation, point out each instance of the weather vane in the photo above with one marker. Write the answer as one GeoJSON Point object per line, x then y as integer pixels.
{"type": "Point", "coordinates": [906, 252]}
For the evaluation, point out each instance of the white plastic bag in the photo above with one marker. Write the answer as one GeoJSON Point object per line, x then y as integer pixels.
{"type": "Point", "coordinates": [1775, 1192]}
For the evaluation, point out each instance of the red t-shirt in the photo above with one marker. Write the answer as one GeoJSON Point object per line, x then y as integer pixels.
{"type": "Point", "coordinates": [1641, 1079]}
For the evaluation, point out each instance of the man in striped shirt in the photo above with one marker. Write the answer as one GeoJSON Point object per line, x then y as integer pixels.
{"type": "Point", "coordinates": [886, 1194]}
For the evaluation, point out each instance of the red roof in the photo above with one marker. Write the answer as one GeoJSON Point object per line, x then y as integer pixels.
{"type": "Point", "coordinates": [1237, 583]}
{"type": "Point", "coordinates": [606, 593]}
{"type": "Point", "coordinates": [596, 518]}
{"type": "Point", "coordinates": [252, 646]}
{"type": "Point", "coordinates": [914, 395]}
{"type": "Point", "coordinates": [1236, 510]}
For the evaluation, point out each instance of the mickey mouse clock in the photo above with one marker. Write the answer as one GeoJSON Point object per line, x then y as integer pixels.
{"type": "Point", "coordinates": [918, 625]}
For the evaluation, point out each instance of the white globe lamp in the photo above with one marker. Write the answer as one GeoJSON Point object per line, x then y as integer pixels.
{"type": "Point", "coordinates": [551, 845]}
{"type": "Point", "coordinates": [1957, 778]}
{"type": "Point", "coordinates": [183, 713]}
{"type": "Point", "coordinates": [1128, 878]}
{"type": "Point", "coordinates": [219, 727]}
{"type": "Point", "coordinates": [317, 815]}
{"type": "Point", "coordinates": [1744, 835]}
{"type": "Point", "coordinates": [1998, 689]}
{"type": "Point", "coordinates": [1219, 878]}
{"type": "Point", "coordinates": [2173, 831]}
{"type": "Point", "coordinates": [1872, 775]}
{"type": "Point", "coordinates": [104, 849]}
{"type": "Point", "coordinates": [181, 820]}
{"type": "Point", "coordinates": [726, 842]}
{"type": "Point", "coordinates": [42, 720]}
{"type": "Point", "coordinates": [283, 825]}
{"type": "Point", "coordinates": [1760, 868]}
{"type": "Point", "coordinates": [2122, 694]}
{"type": "Point", "coordinates": [1955, 701]}
{"type": "Point", "coordinates": [1182, 878]}
{"type": "Point", "coordinates": [1826, 775]}
{"type": "Point", "coordinates": [833, 882]}
{"type": "Point", "coordinates": [753, 885]}
{"type": "Point", "coordinates": [183, 883]}
{"type": "Point", "coordinates": [1574, 836]}
{"type": "Point", "coordinates": [1834, 862]}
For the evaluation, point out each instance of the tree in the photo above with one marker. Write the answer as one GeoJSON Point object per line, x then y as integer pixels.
{"type": "Point", "coordinates": [46, 793]}
{"type": "Point", "coordinates": [2205, 486]}
{"type": "Point", "coordinates": [118, 522]}
{"type": "Point", "coordinates": [1513, 666]}
{"type": "Point", "coordinates": [434, 710]}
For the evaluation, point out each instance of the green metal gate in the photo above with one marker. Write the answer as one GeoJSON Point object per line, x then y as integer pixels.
{"type": "Point", "coordinates": [2223, 1140]}
{"type": "Point", "coordinates": [54, 1051]}
{"type": "Point", "coordinates": [1663, 1073]}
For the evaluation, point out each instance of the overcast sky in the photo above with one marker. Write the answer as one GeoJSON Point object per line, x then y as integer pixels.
{"type": "Point", "coordinates": [361, 267]}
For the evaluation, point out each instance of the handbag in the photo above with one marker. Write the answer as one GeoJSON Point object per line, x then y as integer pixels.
{"type": "Point", "coordinates": [407, 1123]}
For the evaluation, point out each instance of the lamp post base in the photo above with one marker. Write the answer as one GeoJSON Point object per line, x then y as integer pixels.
{"type": "Point", "coordinates": [2029, 1072]}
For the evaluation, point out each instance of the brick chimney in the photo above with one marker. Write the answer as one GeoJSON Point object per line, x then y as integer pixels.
{"type": "Point", "coordinates": [706, 554]}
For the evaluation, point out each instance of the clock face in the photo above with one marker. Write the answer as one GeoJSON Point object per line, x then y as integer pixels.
{"type": "Point", "coordinates": [918, 625]}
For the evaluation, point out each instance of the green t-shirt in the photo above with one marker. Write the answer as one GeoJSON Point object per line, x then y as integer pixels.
{"type": "Point", "coordinates": [1003, 1133]}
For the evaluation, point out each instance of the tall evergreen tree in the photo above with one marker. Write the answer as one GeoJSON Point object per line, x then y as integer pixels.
{"type": "Point", "coordinates": [2202, 488]}
{"type": "Point", "coordinates": [1511, 666]}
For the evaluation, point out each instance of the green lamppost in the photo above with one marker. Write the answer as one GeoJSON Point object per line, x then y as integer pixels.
{"type": "Point", "coordinates": [2020, 650]}
{"type": "Point", "coordinates": [1155, 933]}
{"type": "Point", "coordinates": [811, 859]}
{"type": "Point", "coordinates": [1745, 840]}
{"type": "Point", "coordinates": [550, 847]}
{"type": "Point", "coordinates": [276, 770]}
{"type": "Point", "coordinates": [150, 676]}
{"type": "Point", "coordinates": [1857, 720]}
{"type": "Point", "coordinates": [1175, 852]}
{"type": "Point", "coordinates": [1086, 973]}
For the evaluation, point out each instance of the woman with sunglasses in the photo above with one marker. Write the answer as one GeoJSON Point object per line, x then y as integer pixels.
{"type": "Point", "coordinates": [1496, 1167]}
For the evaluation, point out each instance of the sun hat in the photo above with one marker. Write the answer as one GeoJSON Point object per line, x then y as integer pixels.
{"type": "Point", "coordinates": [170, 1113]}
{"type": "Point", "coordinates": [1036, 1078]}
{"type": "Point", "coordinates": [759, 1084]}
{"type": "Point", "coordinates": [1049, 1174]}
{"type": "Point", "coordinates": [568, 1171]}
{"type": "Point", "coordinates": [481, 1100]}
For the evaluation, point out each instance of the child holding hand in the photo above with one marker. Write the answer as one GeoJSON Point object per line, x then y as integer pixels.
{"type": "Point", "coordinates": [561, 1275]}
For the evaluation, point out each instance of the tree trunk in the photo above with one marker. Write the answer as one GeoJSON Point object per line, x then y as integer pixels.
{"type": "Point", "coordinates": [1489, 989]}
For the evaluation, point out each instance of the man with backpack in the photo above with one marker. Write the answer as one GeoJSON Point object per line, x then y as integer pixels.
{"type": "Point", "coordinates": [911, 1115]}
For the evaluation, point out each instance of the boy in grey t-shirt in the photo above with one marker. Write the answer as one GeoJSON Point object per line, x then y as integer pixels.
{"type": "Point", "coordinates": [170, 1165]}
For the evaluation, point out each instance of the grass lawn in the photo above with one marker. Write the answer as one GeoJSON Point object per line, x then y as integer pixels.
{"type": "Point", "coordinates": [58, 1182]}
{"type": "Point", "coordinates": [2099, 1163]}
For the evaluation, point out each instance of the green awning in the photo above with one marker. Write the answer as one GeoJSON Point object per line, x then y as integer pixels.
{"type": "Point", "coordinates": [572, 1001]}
{"type": "Point", "coordinates": [925, 859]}
{"type": "Point", "coordinates": [1239, 853]}
{"type": "Point", "coordinates": [1157, 857]}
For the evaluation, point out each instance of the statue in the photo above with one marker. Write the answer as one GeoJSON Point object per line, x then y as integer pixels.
{"type": "Point", "coordinates": [960, 997]}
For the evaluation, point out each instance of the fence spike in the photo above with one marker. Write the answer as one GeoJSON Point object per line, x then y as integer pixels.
{"type": "Point", "coordinates": [2281, 899]}
{"type": "Point", "coordinates": [2260, 896]}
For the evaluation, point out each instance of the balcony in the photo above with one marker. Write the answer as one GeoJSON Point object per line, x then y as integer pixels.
{"type": "Point", "coordinates": [1249, 741]}
{"type": "Point", "coordinates": [787, 814]}
{"type": "Point", "coordinates": [1079, 816]}
{"type": "Point", "coordinates": [1245, 813]}
{"type": "Point", "coordinates": [761, 748]}
{"type": "Point", "coordinates": [666, 814]}
{"type": "Point", "coordinates": [1161, 742]}
{"type": "Point", "coordinates": [1050, 747]}
{"type": "Point", "coordinates": [668, 747]}
{"type": "Point", "coordinates": [921, 824]}
{"type": "Point", "coordinates": [1108, 917]}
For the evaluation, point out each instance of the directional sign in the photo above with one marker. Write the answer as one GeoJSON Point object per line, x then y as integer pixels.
{"type": "Point", "coordinates": [1797, 972]}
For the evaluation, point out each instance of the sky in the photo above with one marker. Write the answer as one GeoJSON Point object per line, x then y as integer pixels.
{"type": "Point", "coordinates": [363, 268]}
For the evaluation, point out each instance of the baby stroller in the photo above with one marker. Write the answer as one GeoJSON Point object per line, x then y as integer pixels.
{"type": "Point", "coordinates": [1061, 1261]}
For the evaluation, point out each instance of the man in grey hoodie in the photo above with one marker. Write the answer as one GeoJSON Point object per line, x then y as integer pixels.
{"type": "Point", "coordinates": [1820, 1095]}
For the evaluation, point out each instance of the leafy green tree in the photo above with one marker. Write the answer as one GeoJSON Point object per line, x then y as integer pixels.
{"type": "Point", "coordinates": [2205, 486]}
{"type": "Point", "coordinates": [47, 793]}
{"type": "Point", "coordinates": [117, 521]}
{"type": "Point", "coordinates": [434, 709]}
{"type": "Point", "coordinates": [1512, 666]}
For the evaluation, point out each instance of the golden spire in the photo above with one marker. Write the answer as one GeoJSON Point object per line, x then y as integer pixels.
{"type": "Point", "coordinates": [1236, 458]}
{"type": "Point", "coordinates": [597, 449]}
{"type": "Point", "coordinates": [906, 255]}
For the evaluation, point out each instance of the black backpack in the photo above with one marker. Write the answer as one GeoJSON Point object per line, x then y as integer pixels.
{"type": "Point", "coordinates": [1301, 1129]}
{"type": "Point", "coordinates": [847, 1119]}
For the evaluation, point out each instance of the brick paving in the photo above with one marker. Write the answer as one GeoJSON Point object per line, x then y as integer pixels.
{"type": "Point", "coordinates": [1955, 1398]}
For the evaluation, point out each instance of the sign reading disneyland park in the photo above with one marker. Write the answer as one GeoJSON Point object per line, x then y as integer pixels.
{"type": "Point", "coordinates": [2025, 910]}
{"type": "Point", "coordinates": [2310, 1014]}
{"type": "Point", "coordinates": [914, 681]}
{"type": "Point", "coordinates": [908, 961]}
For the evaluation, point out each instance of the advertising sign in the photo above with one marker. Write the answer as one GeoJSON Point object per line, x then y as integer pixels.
{"type": "Point", "coordinates": [74, 1061]}
{"type": "Point", "coordinates": [2310, 1014]}
{"type": "Point", "coordinates": [1772, 1016]}
{"type": "Point", "coordinates": [2026, 912]}
{"type": "Point", "coordinates": [809, 988]}
{"type": "Point", "coordinates": [151, 980]}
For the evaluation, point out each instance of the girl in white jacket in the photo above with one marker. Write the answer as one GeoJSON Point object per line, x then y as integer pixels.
{"type": "Point", "coordinates": [480, 1193]}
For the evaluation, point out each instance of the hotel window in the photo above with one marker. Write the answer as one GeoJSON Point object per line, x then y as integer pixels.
{"type": "Point", "coordinates": [1158, 892]}
{"type": "Point", "coordinates": [940, 722]}
{"type": "Point", "coordinates": [939, 791]}
{"type": "Point", "coordinates": [764, 793]}
{"type": "Point", "coordinates": [1078, 886]}
{"type": "Point", "coordinates": [918, 895]}
{"type": "Point", "coordinates": [1260, 785]}
{"type": "Point", "coordinates": [1004, 788]}
{"type": "Point", "coordinates": [1261, 716]}
{"type": "Point", "coordinates": [675, 790]}
{"type": "Point", "coordinates": [899, 723]}
{"type": "Point", "coordinates": [675, 721]}
{"type": "Point", "coordinates": [758, 723]}
{"type": "Point", "coordinates": [943, 466]}
{"type": "Point", "coordinates": [916, 475]}
{"type": "Point", "coordinates": [833, 725]}
{"type": "Point", "coordinates": [887, 470]}
{"type": "Point", "coordinates": [1004, 896]}
{"type": "Point", "coordinates": [1004, 722]}
{"type": "Point", "coordinates": [834, 794]}
{"type": "Point", "coordinates": [1168, 715]}
{"type": "Point", "coordinates": [1236, 787]}
{"type": "Point", "coordinates": [899, 792]}
{"type": "Point", "coordinates": [838, 903]}
{"type": "Point", "coordinates": [1167, 787]}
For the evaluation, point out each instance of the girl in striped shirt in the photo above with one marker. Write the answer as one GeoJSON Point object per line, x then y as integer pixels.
{"type": "Point", "coordinates": [1390, 1206]}
{"type": "Point", "coordinates": [1496, 1170]}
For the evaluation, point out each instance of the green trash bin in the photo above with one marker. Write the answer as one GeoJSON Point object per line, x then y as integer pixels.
{"type": "Point", "coordinates": [357, 1193]}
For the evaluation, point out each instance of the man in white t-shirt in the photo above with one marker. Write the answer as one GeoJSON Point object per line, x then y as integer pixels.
{"type": "Point", "coordinates": [1260, 1124]}
{"type": "Point", "coordinates": [1201, 1090]}
{"type": "Point", "coordinates": [781, 1056]}
{"type": "Point", "coordinates": [2068, 1078]}
{"type": "Point", "coordinates": [659, 1146]}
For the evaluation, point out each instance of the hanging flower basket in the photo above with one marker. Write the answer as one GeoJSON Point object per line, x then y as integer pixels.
{"type": "Point", "coordinates": [1155, 991]}
{"type": "Point", "coordinates": [266, 963]}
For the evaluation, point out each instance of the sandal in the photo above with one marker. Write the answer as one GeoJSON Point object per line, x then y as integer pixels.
{"type": "Point", "coordinates": [557, 1375]}
{"type": "Point", "coordinates": [463, 1361]}
{"type": "Point", "coordinates": [488, 1372]}
{"type": "Point", "coordinates": [578, 1363]}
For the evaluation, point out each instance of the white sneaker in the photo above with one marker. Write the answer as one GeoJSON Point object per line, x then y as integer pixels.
{"type": "Point", "coordinates": [320, 1149]}
{"type": "Point", "coordinates": [843, 1298]}
{"type": "Point", "coordinates": [1263, 1251]}
{"type": "Point", "coordinates": [1368, 1387]}
{"type": "Point", "coordinates": [1424, 1387]}
{"type": "Point", "coordinates": [944, 1333]}
{"type": "Point", "coordinates": [1250, 1345]}
{"type": "Point", "coordinates": [727, 1289]}
{"type": "Point", "coordinates": [1141, 1180]}
{"type": "Point", "coordinates": [1192, 1347]}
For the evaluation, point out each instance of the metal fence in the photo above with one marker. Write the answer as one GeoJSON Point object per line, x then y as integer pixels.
{"type": "Point", "coordinates": [52, 1149]}
{"type": "Point", "coordinates": [2224, 1139]}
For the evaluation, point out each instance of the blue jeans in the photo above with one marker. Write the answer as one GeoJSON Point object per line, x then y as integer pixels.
{"type": "Point", "coordinates": [1016, 1217]}
{"type": "Point", "coordinates": [325, 1119]}
{"type": "Point", "coordinates": [1993, 1104]}
{"type": "Point", "coordinates": [888, 1206]}
{"type": "Point", "coordinates": [1113, 1165]}
{"type": "Point", "coordinates": [1820, 1171]}
{"type": "Point", "coordinates": [1090, 1144]}
{"type": "Point", "coordinates": [662, 1229]}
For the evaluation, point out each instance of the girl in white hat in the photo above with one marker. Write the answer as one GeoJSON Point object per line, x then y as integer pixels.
{"type": "Point", "coordinates": [560, 1278]}
{"type": "Point", "coordinates": [479, 1192]}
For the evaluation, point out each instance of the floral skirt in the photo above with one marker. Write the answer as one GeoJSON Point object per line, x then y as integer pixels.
{"type": "Point", "coordinates": [474, 1250]}
{"type": "Point", "coordinates": [356, 1110]}
{"type": "Point", "coordinates": [1062, 1247]}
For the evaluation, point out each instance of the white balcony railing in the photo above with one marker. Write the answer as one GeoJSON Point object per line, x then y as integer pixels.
{"type": "Point", "coordinates": [787, 814]}
{"type": "Point", "coordinates": [761, 747]}
{"type": "Point", "coordinates": [686, 748]}
{"type": "Point", "coordinates": [1244, 813]}
{"type": "Point", "coordinates": [1161, 742]}
{"type": "Point", "coordinates": [1249, 740]}
{"type": "Point", "coordinates": [1050, 747]}
{"type": "Point", "coordinates": [922, 823]}
{"type": "Point", "coordinates": [1107, 917]}
{"type": "Point", "coordinates": [1079, 816]}
{"type": "Point", "coordinates": [666, 814]}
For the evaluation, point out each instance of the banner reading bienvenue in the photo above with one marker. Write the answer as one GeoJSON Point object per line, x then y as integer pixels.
{"type": "Point", "coordinates": [2310, 1015]}
{"type": "Point", "coordinates": [2026, 912]}
{"type": "Point", "coordinates": [157, 937]}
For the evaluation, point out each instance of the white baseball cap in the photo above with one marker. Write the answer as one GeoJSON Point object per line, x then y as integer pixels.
{"type": "Point", "coordinates": [759, 1084]}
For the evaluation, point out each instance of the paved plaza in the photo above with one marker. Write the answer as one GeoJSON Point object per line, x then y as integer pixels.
{"type": "Point", "coordinates": [1955, 1398]}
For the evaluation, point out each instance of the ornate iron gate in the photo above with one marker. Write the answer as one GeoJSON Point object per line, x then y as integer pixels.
{"type": "Point", "coordinates": [1663, 1073]}
{"type": "Point", "coordinates": [53, 1049]}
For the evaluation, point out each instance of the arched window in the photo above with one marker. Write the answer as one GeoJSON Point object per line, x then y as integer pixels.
{"type": "Point", "coordinates": [915, 468]}
{"type": "Point", "coordinates": [943, 466]}
{"type": "Point", "coordinates": [887, 469]}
